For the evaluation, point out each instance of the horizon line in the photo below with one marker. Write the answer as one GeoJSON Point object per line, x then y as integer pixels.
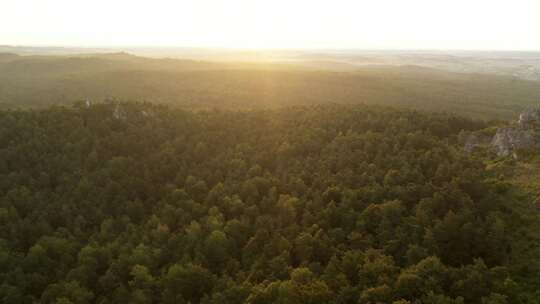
{"type": "Point", "coordinates": [225, 48]}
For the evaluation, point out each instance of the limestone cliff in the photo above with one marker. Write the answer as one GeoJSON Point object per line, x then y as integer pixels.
{"type": "Point", "coordinates": [509, 140]}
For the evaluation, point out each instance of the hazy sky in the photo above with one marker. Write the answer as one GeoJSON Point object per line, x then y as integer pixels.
{"type": "Point", "coordinates": [374, 24]}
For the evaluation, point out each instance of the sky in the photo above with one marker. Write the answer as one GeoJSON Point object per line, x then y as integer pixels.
{"type": "Point", "coordinates": [274, 24]}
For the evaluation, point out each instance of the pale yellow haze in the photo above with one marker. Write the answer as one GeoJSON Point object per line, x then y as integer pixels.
{"type": "Point", "coordinates": [382, 24]}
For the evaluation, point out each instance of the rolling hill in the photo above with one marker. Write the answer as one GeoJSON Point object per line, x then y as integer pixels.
{"type": "Point", "coordinates": [38, 81]}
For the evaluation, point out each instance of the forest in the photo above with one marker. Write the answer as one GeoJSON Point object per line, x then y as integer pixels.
{"type": "Point", "coordinates": [132, 202]}
{"type": "Point", "coordinates": [42, 81]}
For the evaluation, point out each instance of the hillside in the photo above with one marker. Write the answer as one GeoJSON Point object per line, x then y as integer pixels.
{"type": "Point", "coordinates": [519, 64]}
{"type": "Point", "coordinates": [38, 81]}
{"type": "Point", "coordinates": [139, 203]}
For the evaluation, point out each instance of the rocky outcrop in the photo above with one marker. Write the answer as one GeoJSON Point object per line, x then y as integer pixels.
{"type": "Point", "coordinates": [529, 118]}
{"type": "Point", "coordinates": [119, 112]}
{"type": "Point", "coordinates": [507, 141]}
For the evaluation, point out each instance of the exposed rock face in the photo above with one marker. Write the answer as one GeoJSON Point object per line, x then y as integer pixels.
{"type": "Point", "coordinates": [529, 118]}
{"type": "Point", "coordinates": [124, 111]}
{"type": "Point", "coordinates": [509, 139]}
{"type": "Point", "coordinates": [119, 112]}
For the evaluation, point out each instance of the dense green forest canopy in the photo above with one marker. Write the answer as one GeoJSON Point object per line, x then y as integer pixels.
{"type": "Point", "coordinates": [140, 203]}
{"type": "Point", "coordinates": [38, 81]}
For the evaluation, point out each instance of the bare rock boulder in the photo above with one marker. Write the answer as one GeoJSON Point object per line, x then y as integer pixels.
{"type": "Point", "coordinates": [529, 118]}
{"type": "Point", "coordinates": [507, 141]}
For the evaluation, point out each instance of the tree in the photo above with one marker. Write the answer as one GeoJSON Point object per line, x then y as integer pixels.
{"type": "Point", "coordinates": [186, 282]}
